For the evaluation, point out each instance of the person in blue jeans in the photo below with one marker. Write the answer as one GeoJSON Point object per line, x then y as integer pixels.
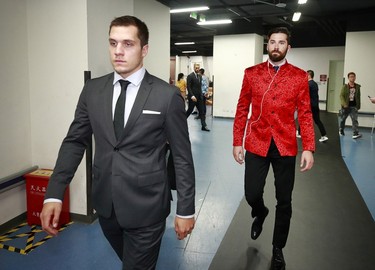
{"type": "Point", "coordinates": [350, 98]}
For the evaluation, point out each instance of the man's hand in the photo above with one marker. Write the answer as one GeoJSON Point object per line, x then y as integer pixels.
{"type": "Point", "coordinates": [183, 226]}
{"type": "Point", "coordinates": [50, 217]}
{"type": "Point", "coordinates": [372, 99]}
{"type": "Point", "coordinates": [307, 161]}
{"type": "Point", "coordinates": [193, 98]}
{"type": "Point", "coordinates": [238, 154]}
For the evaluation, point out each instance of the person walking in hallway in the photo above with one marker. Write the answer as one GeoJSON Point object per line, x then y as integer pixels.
{"type": "Point", "coordinates": [350, 97]}
{"type": "Point", "coordinates": [132, 115]}
{"type": "Point", "coordinates": [195, 97]}
{"type": "Point", "coordinates": [274, 89]}
{"type": "Point", "coordinates": [314, 99]}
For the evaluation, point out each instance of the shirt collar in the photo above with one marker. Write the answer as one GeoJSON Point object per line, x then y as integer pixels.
{"type": "Point", "coordinates": [279, 65]}
{"type": "Point", "coordinates": [135, 78]}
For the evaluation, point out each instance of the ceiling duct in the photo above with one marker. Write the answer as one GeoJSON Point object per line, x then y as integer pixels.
{"type": "Point", "coordinates": [279, 5]}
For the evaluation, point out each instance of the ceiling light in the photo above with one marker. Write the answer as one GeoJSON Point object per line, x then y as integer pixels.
{"type": "Point", "coordinates": [189, 51]}
{"type": "Point", "coordinates": [296, 16]}
{"type": "Point", "coordinates": [215, 22]}
{"type": "Point", "coordinates": [180, 10]}
{"type": "Point", "coordinates": [301, 2]}
{"type": "Point", "coordinates": [184, 43]}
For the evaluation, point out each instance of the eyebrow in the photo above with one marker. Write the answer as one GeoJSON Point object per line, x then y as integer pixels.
{"type": "Point", "coordinates": [123, 40]}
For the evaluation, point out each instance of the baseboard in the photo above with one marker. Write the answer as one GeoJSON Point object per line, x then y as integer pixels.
{"type": "Point", "coordinates": [83, 218]}
{"type": "Point", "coordinates": [7, 226]}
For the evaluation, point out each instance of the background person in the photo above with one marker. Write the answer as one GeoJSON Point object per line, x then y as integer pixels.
{"type": "Point", "coordinates": [194, 87]}
{"type": "Point", "coordinates": [350, 97]}
{"type": "Point", "coordinates": [181, 84]}
{"type": "Point", "coordinates": [314, 100]}
{"type": "Point", "coordinates": [205, 84]}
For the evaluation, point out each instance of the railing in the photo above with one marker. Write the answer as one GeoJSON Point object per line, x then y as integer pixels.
{"type": "Point", "coordinates": [15, 180]}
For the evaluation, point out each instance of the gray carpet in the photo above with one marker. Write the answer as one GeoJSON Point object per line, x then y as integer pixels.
{"type": "Point", "coordinates": [331, 226]}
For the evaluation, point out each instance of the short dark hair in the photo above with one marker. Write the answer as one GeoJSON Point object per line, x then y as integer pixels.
{"type": "Point", "coordinates": [127, 20]}
{"type": "Point", "coordinates": [282, 30]}
{"type": "Point", "coordinates": [351, 73]}
{"type": "Point", "coordinates": [180, 76]}
{"type": "Point", "coordinates": [202, 70]}
{"type": "Point", "coordinates": [311, 73]}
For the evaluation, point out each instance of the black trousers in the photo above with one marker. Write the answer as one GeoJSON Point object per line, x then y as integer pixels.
{"type": "Point", "coordinates": [199, 105]}
{"type": "Point", "coordinates": [138, 248]}
{"type": "Point", "coordinates": [256, 170]}
{"type": "Point", "coordinates": [316, 117]}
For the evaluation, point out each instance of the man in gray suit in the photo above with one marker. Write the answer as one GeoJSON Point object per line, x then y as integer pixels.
{"type": "Point", "coordinates": [131, 192]}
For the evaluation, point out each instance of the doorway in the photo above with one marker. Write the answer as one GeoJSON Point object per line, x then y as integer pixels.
{"type": "Point", "coordinates": [335, 83]}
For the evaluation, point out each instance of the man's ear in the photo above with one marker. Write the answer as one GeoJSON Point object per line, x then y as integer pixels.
{"type": "Point", "coordinates": [145, 50]}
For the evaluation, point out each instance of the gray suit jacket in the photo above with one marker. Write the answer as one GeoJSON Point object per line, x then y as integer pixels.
{"type": "Point", "coordinates": [130, 173]}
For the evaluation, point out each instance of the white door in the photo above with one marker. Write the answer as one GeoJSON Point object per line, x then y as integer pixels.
{"type": "Point", "coordinates": [335, 82]}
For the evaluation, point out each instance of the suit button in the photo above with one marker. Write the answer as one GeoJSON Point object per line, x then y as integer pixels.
{"type": "Point", "coordinates": [116, 149]}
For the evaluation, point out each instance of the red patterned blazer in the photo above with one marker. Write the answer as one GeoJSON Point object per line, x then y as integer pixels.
{"type": "Point", "coordinates": [274, 97]}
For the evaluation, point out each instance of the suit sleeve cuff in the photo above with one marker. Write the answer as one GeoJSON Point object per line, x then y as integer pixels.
{"type": "Point", "coordinates": [52, 200]}
{"type": "Point", "coordinates": [190, 216]}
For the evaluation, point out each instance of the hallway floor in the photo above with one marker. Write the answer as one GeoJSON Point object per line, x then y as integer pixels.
{"type": "Point", "coordinates": [219, 191]}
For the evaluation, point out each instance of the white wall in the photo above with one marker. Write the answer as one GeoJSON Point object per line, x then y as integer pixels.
{"type": "Point", "coordinates": [359, 58]}
{"type": "Point", "coordinates": [15, 132]}
{"type": "Point", "coordinates": [58, 55]}
{"type": "Point", "coordinates": [157, 18]}
{"type": "Point", "coordinates": [99, 16]}
{"type": "Point", "coordinates": [14, 93]}
{"type": "Point", "coordinates": [232, 55]}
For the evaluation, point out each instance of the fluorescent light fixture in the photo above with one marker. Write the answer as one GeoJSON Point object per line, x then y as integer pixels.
{"type": "Point", "coordinates": [189, 51]}
{"type": "Point", "coordinates": [181, 10]}
{"type": "Point", "coordinates": [215, 22]}
{"type": "Point", "coordinates": [301, 2]}
{"type": "Point", "coordinates": [185, 43]}
{"type": "Point", "coordinates": [296, 16]}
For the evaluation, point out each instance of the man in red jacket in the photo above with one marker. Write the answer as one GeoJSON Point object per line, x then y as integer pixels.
{"type": "Point", "coordinates": [275, 89]}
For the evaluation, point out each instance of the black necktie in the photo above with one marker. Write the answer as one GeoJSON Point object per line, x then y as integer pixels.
{"type": "Point", "coordinates": [276, 68]}
{"type": "Point", "coordinates": [118, 118]}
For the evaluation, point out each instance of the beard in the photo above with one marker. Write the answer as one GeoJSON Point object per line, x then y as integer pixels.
{"type": "Point", "coordinates": [276, 55]}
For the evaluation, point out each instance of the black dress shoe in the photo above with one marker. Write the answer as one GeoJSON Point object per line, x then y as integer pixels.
{"type": "Point", "coordinates": [257, 227]}
{"type": "Point", "coordinates": [278, 262]}
{"type": "Point", "coordinates": [205, 129]}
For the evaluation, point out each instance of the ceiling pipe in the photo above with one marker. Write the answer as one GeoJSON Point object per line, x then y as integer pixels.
{"type": "Point", "coordinates": [279, 5]}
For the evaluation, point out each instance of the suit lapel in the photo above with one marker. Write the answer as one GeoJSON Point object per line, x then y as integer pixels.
{"type": "Point", "coordinates": [107, 100]}
{"type": "Point", "coordinates": [139, 103]}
